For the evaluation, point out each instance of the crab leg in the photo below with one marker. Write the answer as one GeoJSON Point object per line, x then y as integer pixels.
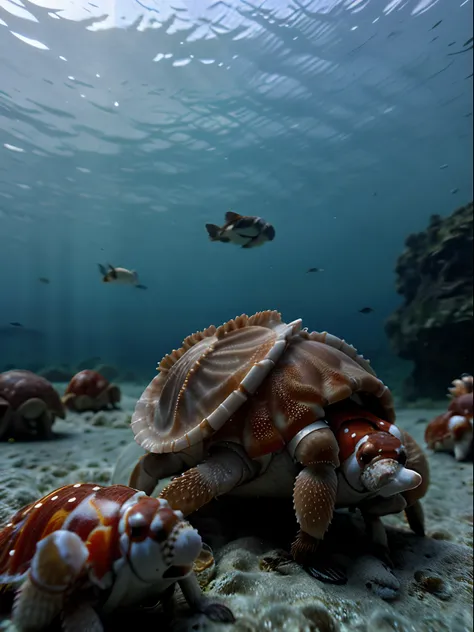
{"type": "Point", "coordinates": [315, 490]}
{"type": "Point", "coordinates": [371, 511]}
{"type": "Point", "coordinates": [418, 462]}
{"type": "Point", "coordinates": [153, 467]}
{"type": "Point", "coordinates": [77, 617]}
{"type": "Point", "coordinates": [199, 603]}
{"type": "Point", "coordinates": [225, 469]}
{"type": "Point", "coordinates": [58, 562]}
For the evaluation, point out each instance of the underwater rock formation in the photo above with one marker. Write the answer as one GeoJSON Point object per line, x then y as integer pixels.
{"type": "Point", "coordinates": [433, 327]}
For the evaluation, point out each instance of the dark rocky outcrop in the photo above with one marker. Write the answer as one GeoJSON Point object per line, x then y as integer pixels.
{"type": "Point", "coordinates": [434, 326]}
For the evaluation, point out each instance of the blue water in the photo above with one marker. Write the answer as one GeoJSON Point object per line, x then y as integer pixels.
{"type": "Point", "coordinates": [126, 126]}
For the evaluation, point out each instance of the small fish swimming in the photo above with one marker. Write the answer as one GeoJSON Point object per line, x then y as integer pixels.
{"type": "Point", "coordinates": [120, 276]}
{"type": "Point", "coordinates": [16, 324]}
{"type": "Point", "coordinates": [242, 230]}
{"type": "Point", "coordinates": [366, 310]}
{"type": "Point", "coordinates": [314, 270]}
{"type": "Point", "coordinates": [44, 280]}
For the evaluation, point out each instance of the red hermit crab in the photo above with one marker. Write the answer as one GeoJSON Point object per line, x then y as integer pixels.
{"type": "Point", "coordinates": [249, 408]}
{"type": "Point", "coordinates": [452, 431]}
{"type": "Point", "coordinates": [29, 404]}
{"type": "Point", "coordinates": [89, 390]}
{"type": "Point", "coordinates": [85, 549]}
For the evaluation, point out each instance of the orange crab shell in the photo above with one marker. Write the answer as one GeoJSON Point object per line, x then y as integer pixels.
{"type": "Point", "coordinates": [95, 521]}
{"type": "Point", "coordinates": [200, 394]}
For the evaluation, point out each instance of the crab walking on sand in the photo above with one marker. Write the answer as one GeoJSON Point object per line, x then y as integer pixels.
{"type": "Point", "coordinates": [242, 408]}
{"type": "Point", "coordinates": [84, 549]}
{"type": "Point", "coordinates": [452, 431]}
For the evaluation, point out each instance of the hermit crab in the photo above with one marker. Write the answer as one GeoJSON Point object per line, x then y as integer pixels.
{"type": "Point", "coordinates": [89, 390]}
{"type": "Point", "coordinates": [28, 404]}
{"type": "Point", "coordinates": [85, 549]}
{"type": "Point", "coordinates": [453, 430]}
{"type": "Point", "coordinates": [245, 408]}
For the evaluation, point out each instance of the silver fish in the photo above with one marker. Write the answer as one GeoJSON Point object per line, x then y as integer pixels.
{"type": "Point", "coordinates": [120, 276]}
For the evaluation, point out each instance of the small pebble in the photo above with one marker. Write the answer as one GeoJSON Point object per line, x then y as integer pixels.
{"type": "Point", "coordinates": [433, 584]}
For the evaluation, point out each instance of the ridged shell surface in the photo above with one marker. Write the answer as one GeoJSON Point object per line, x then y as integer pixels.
{"type": "Point", "coordinates": [316, 370]}
{"type": "Point", "coordinates": [200, 386]}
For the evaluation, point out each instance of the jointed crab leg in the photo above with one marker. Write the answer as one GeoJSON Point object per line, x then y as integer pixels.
{"type": "Point", "coordinates": [314, 493]}
{"type": "Point", "coordinates": [151, 468]}
{"type": "Point", "coordinates": [226, 468]}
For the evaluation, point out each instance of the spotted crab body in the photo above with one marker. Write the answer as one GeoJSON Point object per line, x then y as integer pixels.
{"type": "Point", "coordinates": [245, 409]}
{"type": "Point", "coordinates": [85, 546]}
{"type": "Point", "coordinates": [89, 390]}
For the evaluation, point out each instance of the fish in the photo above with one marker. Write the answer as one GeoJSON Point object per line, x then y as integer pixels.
{"type": "Point", "coordinates": [44, 280]}
{"type": "Point", "coordinates": [242, 230]}
{"type": "Point", "coordinates": [120, 276]}
{"type": "Point", "coordinates": [366, 310]}
{"type": "Point", "coordinates": [16, 324]}
{"type": "Point", "coordinates": [314, 270]}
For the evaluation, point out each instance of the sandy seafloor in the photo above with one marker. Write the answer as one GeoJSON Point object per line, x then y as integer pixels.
{"type": "Point", "coordinates": [429, 590]}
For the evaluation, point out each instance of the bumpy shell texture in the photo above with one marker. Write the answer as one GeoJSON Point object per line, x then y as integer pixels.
{"type": "Point", "coordinates": [220, 384]}
{"type": "Point", "coordinates": [202, 384]}
{"type": "Point", "coordinates": [316, 370]}
{"type": "Point", "coordinates": [18, 386]}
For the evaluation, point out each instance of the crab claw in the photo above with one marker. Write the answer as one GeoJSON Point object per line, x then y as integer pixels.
{"type": "Point", "coordinates": [387, 477]}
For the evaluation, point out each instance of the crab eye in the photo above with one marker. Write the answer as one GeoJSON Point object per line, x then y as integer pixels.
{"type": "Point", "coordinates": [138, 533]}
{"type": "Point", "coordinates": [366, 457]}
{"type": "Point", "coordinates": [159, 535]}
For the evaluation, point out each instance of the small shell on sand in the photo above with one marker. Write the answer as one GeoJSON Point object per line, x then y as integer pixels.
{"type": "Point", "coordinates": [205, 566]}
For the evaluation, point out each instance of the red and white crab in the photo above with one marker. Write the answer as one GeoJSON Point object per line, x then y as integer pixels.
{"type": "Point", "coordinates": [382, 471]}
{"type": "Point", "coordinates": [84, 549]}
{"type": "Point", "coordinates": [453, 430]}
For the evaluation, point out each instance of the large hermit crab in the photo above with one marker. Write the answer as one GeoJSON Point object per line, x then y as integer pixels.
{"type": "Point", "coordinates": [245, 408]}
{"type": "Point", "coordinates": [84, 549]}
{"type": "Point", "coordinates": [89, 390]}
{"type": "Point", "coordinates": [28, 404]}
{"type": "Point", "coordinates": [453, 430]}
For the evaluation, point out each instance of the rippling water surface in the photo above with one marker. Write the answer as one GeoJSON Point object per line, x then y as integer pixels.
{"type": "Point", "coordinates": [125, 126]}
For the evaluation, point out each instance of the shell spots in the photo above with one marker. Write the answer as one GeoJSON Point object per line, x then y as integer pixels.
{"type": "Point", "coordinates": [73, 508]}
